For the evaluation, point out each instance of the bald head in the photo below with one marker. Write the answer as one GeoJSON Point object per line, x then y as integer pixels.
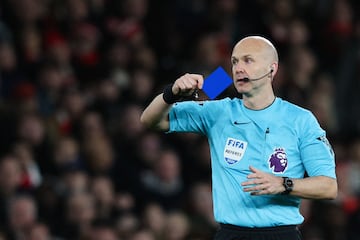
{"type": "Point", "coordinates": [258, 44]}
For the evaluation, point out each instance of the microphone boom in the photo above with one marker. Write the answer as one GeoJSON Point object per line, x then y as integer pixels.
{"type": "Point", "coordinates": [255, 79]}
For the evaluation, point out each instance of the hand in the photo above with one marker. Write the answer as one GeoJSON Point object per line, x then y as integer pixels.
{"type": "Point", "coordinates": [187, 84]}
{"type": "Point", "coordinates": [261, 183]}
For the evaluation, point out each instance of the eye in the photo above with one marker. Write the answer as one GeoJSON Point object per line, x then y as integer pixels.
{"type": "Point", "coordinates": [248, 60]}
{"type": "Point", "coordinates": [234, 61]}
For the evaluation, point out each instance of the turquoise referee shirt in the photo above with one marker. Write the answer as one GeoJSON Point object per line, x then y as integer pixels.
{"type": "Point", "coordinates": [282, 139]}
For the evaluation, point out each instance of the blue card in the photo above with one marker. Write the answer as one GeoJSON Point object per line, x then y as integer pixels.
{"type": "Point", "coordinates": [216, 83]}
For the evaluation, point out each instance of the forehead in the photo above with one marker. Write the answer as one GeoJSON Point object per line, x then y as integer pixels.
{"type": "Point", "coordinates": [252, 47]}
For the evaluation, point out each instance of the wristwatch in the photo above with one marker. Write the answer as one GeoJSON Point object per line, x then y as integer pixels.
{"type": "Point", "coordinates": [288, 184]}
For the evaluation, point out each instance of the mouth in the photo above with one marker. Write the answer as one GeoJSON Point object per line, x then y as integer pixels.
{"type": "Point", "coordinates": [242, 80]}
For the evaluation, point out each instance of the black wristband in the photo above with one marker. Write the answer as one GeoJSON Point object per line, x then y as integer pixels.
{"type": "Point", "coordinates": [168, 96]}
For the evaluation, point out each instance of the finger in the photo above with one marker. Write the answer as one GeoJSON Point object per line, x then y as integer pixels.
{"type": "Point", "coordinates": [249, 189]}
{"type": "Point", "coordinates": [186, 83]}
{"type": "Point", "coordinates": [252, 182]}
{"type": "Point", "coordinates": [181, 85]}
{"type": "Point", "coordinates": [264, 190]}
{"type": "Point", "coordinates": [257, 193]}
{"type": "Point", "coordinates": [253, 175]}
{"type": "Point", "coordinates": [190, 82]}
{"type": "Point", "coordinates": [256, 188]}
{"type": "Point", "coordinates": [254, 170]}
{"type": "Point", "coordinates": [199, 79]}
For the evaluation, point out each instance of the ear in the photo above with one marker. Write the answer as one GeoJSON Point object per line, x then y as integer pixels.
{"type": "Point", "coordinates": [273, 68]}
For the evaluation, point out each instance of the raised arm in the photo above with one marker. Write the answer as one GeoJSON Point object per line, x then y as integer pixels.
{"type": "Point", "coordinates": [155, 115]}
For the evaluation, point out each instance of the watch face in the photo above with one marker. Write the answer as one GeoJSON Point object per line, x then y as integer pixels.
{"type": "Point", "coordinates": [289, 183]}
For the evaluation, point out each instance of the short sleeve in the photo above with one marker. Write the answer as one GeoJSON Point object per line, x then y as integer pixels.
{"type": "Point", "coordinates": [196, 117]}
{"type": "Point", "coordinates": [316, 152]}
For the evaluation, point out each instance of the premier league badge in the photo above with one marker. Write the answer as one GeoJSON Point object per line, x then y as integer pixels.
{"type": "Point", "coordinates": [278, 161]}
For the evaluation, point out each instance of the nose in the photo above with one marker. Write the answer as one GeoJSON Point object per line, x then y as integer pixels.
{"type": "Point", "coordinates": [238, 68]}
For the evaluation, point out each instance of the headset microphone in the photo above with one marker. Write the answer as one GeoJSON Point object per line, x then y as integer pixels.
{"type": "Point", "coordinates": [255, 79]}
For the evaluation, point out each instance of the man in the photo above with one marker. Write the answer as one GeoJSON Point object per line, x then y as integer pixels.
{"type": "Point", "coordinates": [261, 146]}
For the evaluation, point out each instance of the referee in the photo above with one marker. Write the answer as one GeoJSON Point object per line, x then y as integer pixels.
{"type": "Point", "coordinates": [261, 147]}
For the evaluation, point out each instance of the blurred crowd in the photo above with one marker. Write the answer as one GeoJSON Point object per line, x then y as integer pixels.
{"type": "Point", "coordinates": [75, 76]}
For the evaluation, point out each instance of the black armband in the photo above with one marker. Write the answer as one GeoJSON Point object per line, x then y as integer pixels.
{"type": "Point", "coordinates": [168, 96]}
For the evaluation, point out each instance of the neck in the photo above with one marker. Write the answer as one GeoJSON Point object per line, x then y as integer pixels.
{"type": "Point", "coordinates": [258, 102]}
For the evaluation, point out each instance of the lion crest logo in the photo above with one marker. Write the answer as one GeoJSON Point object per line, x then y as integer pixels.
{"type": "Point", "coordinates": [278, 161]}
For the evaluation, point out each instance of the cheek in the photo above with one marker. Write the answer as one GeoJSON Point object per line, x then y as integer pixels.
{"type": "Point", "coordinates": [233, 70]}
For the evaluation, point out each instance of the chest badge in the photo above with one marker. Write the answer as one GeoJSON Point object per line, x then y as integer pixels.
{"type": "Point", "coordinates": [234, 150]}
{"type": "Point", "coordinates": [278, 161]}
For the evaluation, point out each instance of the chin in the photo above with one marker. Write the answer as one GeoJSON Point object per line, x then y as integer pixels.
{"type": "Point", "coordinates": [241, 90]}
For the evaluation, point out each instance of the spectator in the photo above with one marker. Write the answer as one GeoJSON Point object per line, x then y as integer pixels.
{"type": "Point", "coordinates": [102, 232]}
{"type": "Point", "coordinates": [79, 214]}
{"type": "Point", "coordinates": [201, 219]}
{"type": "Point", "coordinates": [176, 226]}
{"type": "Point", "coordinates": [40, 231]}
{"type": "Point", "coordinates": [31, 176]}
{"type": "Point", "coordinates": [103, 191]}
{"type": "Point", "coordinates": [126, 225]}
{"type": "Point", "coordinates": [154, 219]}
{"type": "Point", "coordinates": [67, 155]}
{"type": "Point", "coordinates": [142, 234]}
{"type": "Point", "coordinates": [22, 216]}
{"type": "Point", "coordinates": [164, 183]}
{"type": "Point", "coordinates": [10, 183]}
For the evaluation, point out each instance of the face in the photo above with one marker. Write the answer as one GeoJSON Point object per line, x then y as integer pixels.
{"type": "Point", "coordinates": [253, 58]}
